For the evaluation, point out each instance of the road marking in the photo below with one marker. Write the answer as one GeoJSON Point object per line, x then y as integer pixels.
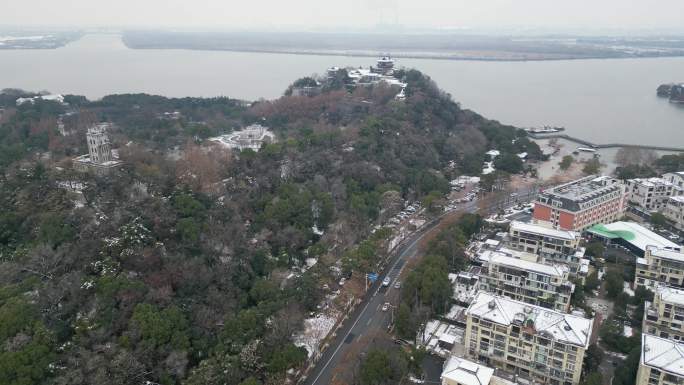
{"type": "Point", "coordinates": [402, 255]}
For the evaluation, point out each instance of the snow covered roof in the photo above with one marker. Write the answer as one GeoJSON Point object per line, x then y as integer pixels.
{"type": "Point", "coordinates": [663, 354]}
{"type": "Point", "coordinates": [558, 326]}
{"type": "Point", "coordinates": [466, 372]}
{"type": "Point", "coordinates": [674, 255]}
{"type": "Point", "coordinates": [543, 230]}
{"type": "Point", "coordinates": [498, 258]}
{"type": "Point", "coordinates": [670, 294]}
{"type": "Point", "coordinates": [678, 198]}
{"type": "Point", "coordinates": [634, 233]}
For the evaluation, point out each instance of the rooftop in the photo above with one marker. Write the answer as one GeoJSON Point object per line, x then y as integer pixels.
{"type": "Point", "coordinates": [675, 255]}
{"type": "Point", "coordinates": [499, 258]}
{"type": "Point", "coordinates": [670, 294]}
{"type": "Point", "coordinates": [543, 230]}
{"type": "Point", "coordinates": [466, 372]}
{"type": "Point", "coordinates": [679, 198]}
{"type": "Point", "coordinates": [571, 195]}
{"type": "Point", "coordinates": [663, 354]}
{"type": "Point", "coordinates": [558, 326]}
{"type": "Point", "coordinates": [634, 233]}
{"type": "Point", "coordinates": [651, 182]}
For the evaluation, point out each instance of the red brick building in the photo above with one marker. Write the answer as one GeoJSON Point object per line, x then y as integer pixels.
{"type": "Point", "coordinates": [582, 203]}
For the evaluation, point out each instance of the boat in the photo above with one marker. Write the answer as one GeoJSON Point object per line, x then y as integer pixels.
{"type": "Point", "coordinates": [544, 130]}
{"type": "Point", "coordinates": [586, 149]}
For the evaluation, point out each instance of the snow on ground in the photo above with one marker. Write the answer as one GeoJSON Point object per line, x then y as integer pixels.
{"type": "Point", "coordinates": [315, 330]}
{"type": "Point", "coordinates": [628, 289]}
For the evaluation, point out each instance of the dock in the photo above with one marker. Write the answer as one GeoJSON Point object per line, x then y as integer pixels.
{"type": "Point", "coordinates": [595, 146]}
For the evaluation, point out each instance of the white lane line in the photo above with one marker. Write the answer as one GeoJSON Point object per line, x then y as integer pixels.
{"type": "Point", "coordinates": [360, 315]}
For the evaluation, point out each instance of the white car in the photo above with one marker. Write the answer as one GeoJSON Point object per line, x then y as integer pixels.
{"type": "Point", "coordinates": [386, 281]}
{"type": "Point", "coordinates": [385, 306]}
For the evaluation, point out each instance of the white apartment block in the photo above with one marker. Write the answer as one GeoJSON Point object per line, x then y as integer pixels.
{"type": "Point", "coordinates": [674, 212]}
{"type": "Point", "coordinates": [531, 342]}
{"type": "Point", "coordinates": [664, 316]}
{"type": "Point", "coordinates": [662, 361]}
{"type": "Point", "coordinates": [651, 194]}
{"type": "Point", "coordinates": [535, 283]}
{"type": "Point", "coordinates": [662, 266]}
{"type": "Point", "coordinates": [676, 178]}
{"type": "Point", "coordinates": [551, 245]}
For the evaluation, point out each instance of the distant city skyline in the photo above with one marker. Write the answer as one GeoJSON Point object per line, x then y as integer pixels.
{"type": "Point", "coordinates": [544, 16]}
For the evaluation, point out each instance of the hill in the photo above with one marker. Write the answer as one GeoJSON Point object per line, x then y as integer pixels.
{"type": "Point", "coordinates": [189, 264]}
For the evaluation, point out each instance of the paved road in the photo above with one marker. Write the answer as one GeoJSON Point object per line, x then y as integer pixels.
{"type": "Point", "coordinates": [369, 316]}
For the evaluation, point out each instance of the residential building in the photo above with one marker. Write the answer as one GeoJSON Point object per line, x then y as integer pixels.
{"type": "Point", "coordinates": [466, 284]}
{"type": "Point", "coordinates": [631, 236]}
{"type": "Point", "coordinates": [534, 343]}
{"type": "Point", "coordinates": [664, 316]}
{"type": "Point", "coordinates": [535, 283]}
{"type": "Point", "coordinates": [459, 371]}
{"type": "Point", "coordinates": [676, 178]}
{"type": "Point", "coordinates": [660, 266]}
{"type": "Point", "coordinates": [551, 245]}
{"type": "Point", "coordinates": [650, 194]}
{"type": "Point", "coordinates": [251, 137]}
{"type": "Point", "coordinates": [662, 361]}
{"type": "Point", "coordinates": [674, 212]}
{"type": "Point", "coordinates": [580, 204]}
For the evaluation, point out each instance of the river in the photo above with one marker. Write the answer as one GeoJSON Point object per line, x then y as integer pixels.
{"type": "Point", "coordinates": [607, 100]}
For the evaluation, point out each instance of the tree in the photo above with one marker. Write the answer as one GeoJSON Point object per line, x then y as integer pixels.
{"type": "Point", "coordinates": [595, 249]}
{"type": "Point", "coordinates": [614, 283]}
{"type": "Point", "coordinates": [509, 163]}
{"type": "Point", "coordinates": [658, 220]}
{"type": "Point", "coordinates": [593, 358]}
{"type": "Point", "coordinates": [592, 166]}
{"type": "Point", "coordinates": [592, 282]}
{"type": "Point", "coordinates": [593, 378]}
{"type": "Point", "coordinates": [626, 374]}
{"type": "Point", "coordinates": [402, 321]}
{"type": "Point", "coordinates": [566, 162]}
{"type": "Point", "coordinates": [382, 367]}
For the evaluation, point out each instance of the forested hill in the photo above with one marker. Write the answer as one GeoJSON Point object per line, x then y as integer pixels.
{"type": "Point", "coordinates": [185, 266]}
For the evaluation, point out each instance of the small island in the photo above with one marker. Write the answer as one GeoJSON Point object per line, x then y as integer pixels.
{"type": "Point", "coordinates": [674, 92]}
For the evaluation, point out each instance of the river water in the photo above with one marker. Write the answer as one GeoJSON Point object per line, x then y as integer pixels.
{"type": "Point", "coordinates": [598, 100]}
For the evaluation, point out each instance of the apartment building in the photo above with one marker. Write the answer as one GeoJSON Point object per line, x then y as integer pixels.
{"type": "Point", "coordinates": [662, 361]}
{"type": "Point", "coordinates": [676, 178]}
{"type": "Point", "coordinates": [664, 266]}
{"type": "Point", "coordinates": [535, 283]}
{"type": "Point", "coordinates": [664, 316]}
{"type": "Point", "coordinates": [553, 246]}
{"type": "Point", "coordinates": [674, 212]}
{"type": "Point", "coordinates": [531, 342]}
{"type": "Point", "coordinates": [580, 204]}
{"type": "Point", "coordinates": [651, 194]}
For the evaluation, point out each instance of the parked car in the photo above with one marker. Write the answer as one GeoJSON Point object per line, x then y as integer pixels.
{"type": "Point", "coordinates": [386, 281]}
{"type": "Point", "coordinates": [385, 306]}
{"type": "Point", "coordinates": [397, 285]}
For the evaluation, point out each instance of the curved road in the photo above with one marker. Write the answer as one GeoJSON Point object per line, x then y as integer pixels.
{"type": "Point", "coordinates": [368, 315]}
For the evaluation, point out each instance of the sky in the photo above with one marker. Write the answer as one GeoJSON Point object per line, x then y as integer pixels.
{"type": "Point", "coordinates": [558, 15]}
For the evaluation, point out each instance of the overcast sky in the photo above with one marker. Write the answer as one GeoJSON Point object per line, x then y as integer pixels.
{"type": "Point", "coordinates": [312, 14]}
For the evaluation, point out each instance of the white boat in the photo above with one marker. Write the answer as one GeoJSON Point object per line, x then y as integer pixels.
{"type": "Point", "coordinates": [586, 149]}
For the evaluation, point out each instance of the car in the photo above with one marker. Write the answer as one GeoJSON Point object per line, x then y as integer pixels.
{"type": "Point", "coordinates": [397, 285]}
{"type": "Point", "coordinates": [386, 281]}
{"type": "Point", "coordinates": [385, 306]}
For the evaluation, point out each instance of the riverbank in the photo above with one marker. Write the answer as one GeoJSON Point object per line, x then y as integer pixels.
{"type": "Point", "coordinates": [557, 148]}
{"type": "Point", "coordinates": [424, 45]}
{"type": "Point", "coordinates": [594, 103]}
